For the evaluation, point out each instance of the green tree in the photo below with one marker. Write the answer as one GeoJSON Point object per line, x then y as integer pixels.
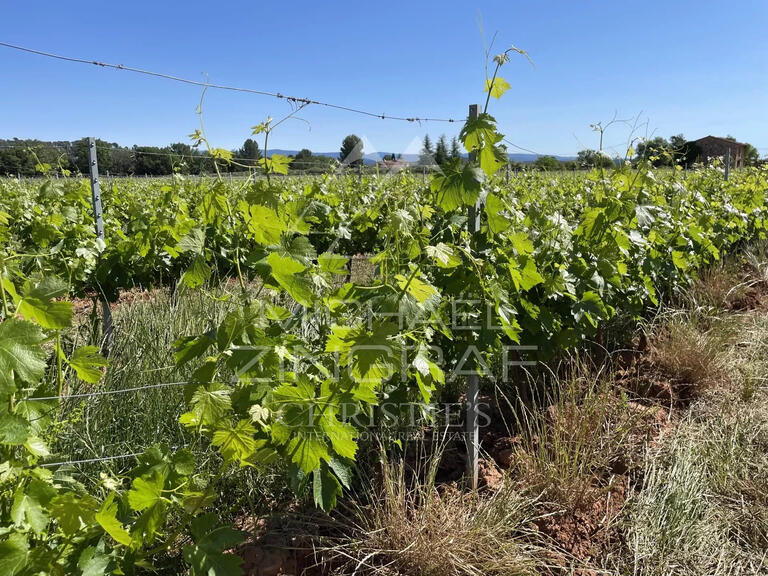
{"type": "Point", "coordinates": [455, 150]}
{"type": "Point", "coordinates": [306, 161]}
{"type": "Point", "coordinates": [677, 142]}
{"type": "Point", "coordinates": [80, 159]}
{"type": "Point", "coordinates": [152, 161]}
{"type": "Point", "coordinates": [22, 156]}
{"type": "Point", "coordinates": [657, 151]}
{"type": "Point", "coordinates": [751, 155]}
{"type": "Point", "coordinates": [441, 151]}
{"type": "Point", "coordinates": [593, 159]}
{"type": "Point", "coordinates": [547, 163]}
{"type": "Point", "coordinates": [182, 157]}
{"type": "Point", "coordinates": [682, 151]}
{"type": "Point", "coordinates": [249, 151]}
{"type": "Point", "coordinates": [303, 160]}
{"type": "Point", "coordinates": [123, 162]}
{"type": "Point", "coordinates": [351, 152]}
{"type": "Point", "coordinates": [427, 155]}
{"type": "Point", "coordinates": [14, 161]}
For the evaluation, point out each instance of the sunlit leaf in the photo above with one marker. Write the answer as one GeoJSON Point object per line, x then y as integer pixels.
{"type": "Point", "coordinates": [496, 86]}
{"type": "Point", "coordinates": [87, 362]}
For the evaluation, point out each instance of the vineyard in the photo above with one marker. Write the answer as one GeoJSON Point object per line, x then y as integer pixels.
{"type": "Point", "coordinates": [264, 328]}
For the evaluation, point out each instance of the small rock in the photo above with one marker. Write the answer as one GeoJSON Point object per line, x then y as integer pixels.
{"type": "Point", "coordinates": [489, 474]}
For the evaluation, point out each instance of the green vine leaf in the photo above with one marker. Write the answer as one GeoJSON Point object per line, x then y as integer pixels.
{"type": "Point", "coordinates": [206, 555]}
{"type": "Point", "coordinates": [21, 356]}
{"type": "Point", "coordinates": [263, 223]}
{"type": "Point", "coordinates": [146, 492]}
{"type": "Point", "coordinates": [332, 263]}
{"type": "Point", "coordinates": [236, 444]}
{"type": "Point", "coordinates": [191, 347]}
{"type": "Point", "coordinates": [73, 512]}
{"type": "Point", "coordinates": [49, 315]}
{"type": "Point", "coordinates": [497, 87]}
{"type": "Point", "coordinates": [287, 272]}
{"type": "Point", "coordinates": [197, 274]}
{"type": "Point", "coordinates": [30, 505]}
{"type": "Point", "coordinates": [275, 164]}
{"type": "Point", "coordinates": [193, 241]}
{"type": "Point", "coordinates": [14, 430]}
{"type": "Point", "coordinates": [443, 255]}
{"type": "Point", "coordinates": [371, 354]}
{"type": "Point", "coordinates": [93, 561]}
{"type": "Point", "coordinates": [221, 154]}
{"type": "Point", "coordinates": [525, 277]}
{"type": "Point", "coordinates": [210, 403]}
{"type": "Point", "coordinates": [417, 288]}
{"type": "Point", "coordinates": [107, 519]}
{"type": "Point", "coordinates": [87, 363]}
{"type": "Point", "coordinates": [326, 488]}
{"type": "Point", "coordinates": [457, 185]}
{"type": "Point", "coordinates": [13, 554]}
{"type": "Point", "coordinates": [307, 450]}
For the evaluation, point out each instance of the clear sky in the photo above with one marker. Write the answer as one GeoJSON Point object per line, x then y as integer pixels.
{"type": "Point", "coordinates": [696, 67]}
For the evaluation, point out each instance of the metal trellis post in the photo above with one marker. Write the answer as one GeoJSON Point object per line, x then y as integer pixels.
{"type": "Point", "coordinates": [473, 381]}
{"type": "Point", "coordinates": [106, 313]}
{"type": "Point", "coordinates": [727, 163]}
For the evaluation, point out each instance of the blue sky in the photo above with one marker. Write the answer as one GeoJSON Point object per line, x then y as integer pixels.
{"type": "Point", "coordinates": [693, 67]}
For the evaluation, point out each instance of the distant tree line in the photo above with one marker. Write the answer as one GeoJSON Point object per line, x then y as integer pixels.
{"type": "Point", "coordinates": [23, 156]}
{"type": "Point", "coordinates": [439, 153]}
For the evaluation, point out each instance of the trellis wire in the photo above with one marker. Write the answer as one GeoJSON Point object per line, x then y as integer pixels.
{"type": "Point", "coordinates": [90, 460]}
{"type": "Point", "coordinates": [279, 95]}
{"type": "Point", "coordinates": [107, 392]}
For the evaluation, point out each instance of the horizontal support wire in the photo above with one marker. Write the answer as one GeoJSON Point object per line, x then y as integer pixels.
{"type": "Point", "coordinates": [200, 156]}
{"type": "Point", "coordinates": [105, 392]}
{"type": "Point", "coordinates": [279, 95]}
{"type": "Point", "coordinates": [521, 147]}
{"type": "Point", "coordinates": [98, 459]}
{"type": "Point", "coordinates": [90, 460]}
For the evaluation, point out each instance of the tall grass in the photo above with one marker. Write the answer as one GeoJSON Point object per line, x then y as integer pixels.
{"type": "Point", "coordinates": [403, 523]}
{"type": "Point", "coordinates": [702, 507]}
{"type": "Point", "coordinates": [141, 354]}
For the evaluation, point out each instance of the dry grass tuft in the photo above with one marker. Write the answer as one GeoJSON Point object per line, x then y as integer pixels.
{"type": "Point", "coordinates": [703, 506]}
{"type": "Point", "coordinates": [714, 289]}
{"type": "Point", "coordinates": [690, 358]}
{"type": "Point", "coordinates": [410, 527]}
{"type": "Point", "coordinates": [735, 284]}
{"type": "Point", "coordinates": [587, 432]}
